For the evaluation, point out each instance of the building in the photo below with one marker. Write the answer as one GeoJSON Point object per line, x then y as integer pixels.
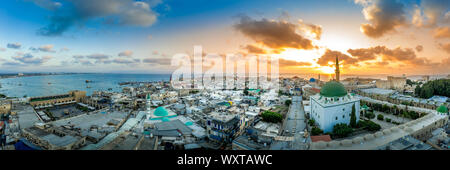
{"type": "Point", "coordinates": [333, 105]}
{"type": "Point", "coordinates": [5, 107]}
{"type": "Point", "coordinates": [52, 141]}
{"type": "Point", "coordinates": [406, 143]}
{"type": "Point", "coordinates": [71, 97]}
{"type": "Point", "coordinates": [220, 127]}
{"type": "Point", "coordinates": [377, 93]}
{"type": "Point", "coordinates": [397, 83]}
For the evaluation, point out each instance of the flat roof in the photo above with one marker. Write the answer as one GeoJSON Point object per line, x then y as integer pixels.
{"type": "Point", "coordinates": [378, 91]}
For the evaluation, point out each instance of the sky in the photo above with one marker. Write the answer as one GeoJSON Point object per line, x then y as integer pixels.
{"type": "Point", "coordinates": [141, 36]}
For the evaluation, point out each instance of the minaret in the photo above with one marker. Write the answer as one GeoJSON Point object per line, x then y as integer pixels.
{"type": "Point", "coordinates": [337, 69]}
{"type": "Point", "coordinates": [148, 102]}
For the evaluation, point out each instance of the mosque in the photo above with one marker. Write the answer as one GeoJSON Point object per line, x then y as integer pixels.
{"type": "Point", "coordinates": [333, 104]}
{"type": "Point", "coordinates": [160, 113]}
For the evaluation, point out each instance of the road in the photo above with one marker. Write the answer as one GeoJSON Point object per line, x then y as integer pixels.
{"type": "Point", "coordinates": [295, 124]}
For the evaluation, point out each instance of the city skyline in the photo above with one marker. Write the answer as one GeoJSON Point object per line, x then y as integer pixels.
{"type": "Point", "coordinates": [127, 36]}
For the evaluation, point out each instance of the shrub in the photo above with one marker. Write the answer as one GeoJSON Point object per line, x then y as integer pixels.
{"type": "Point", "coordinates": [316, 131]}
{"type": "Point", "coordinates": [380, 117]}
{"type": "Point", "coordinates": [369, 125]}
{"type": "Point", "coordinates": [370, 115]}
{"type": "Point", "coordinates": [273, 117]}
{"type": "Point", "coordinates": [311, 122]}
{"type": "Point", "coordinates": [388, 120]}
{"type": "Point", "coordinates": [342, 130]}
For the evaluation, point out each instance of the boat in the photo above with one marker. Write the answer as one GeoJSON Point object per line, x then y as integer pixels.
{"type": "Point", "coordinates": [88, 87]}
{"type": "Point", "coordinates": [88, 81]}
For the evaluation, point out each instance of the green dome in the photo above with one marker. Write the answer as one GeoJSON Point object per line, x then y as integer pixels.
{"type": "Point", "coordinates": [333, 89]}
{"type": "Point", "coordinates": [165, 119]}
{"type": "Point", "coordinates": [160, 111]}
{"type": "Point", "coordinates": [442, 109]}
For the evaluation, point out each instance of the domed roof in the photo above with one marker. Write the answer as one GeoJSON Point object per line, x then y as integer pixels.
{"type": "Point", "coordinates": [333, 89]}
{"type": "Point", "coordinates": [160, 111]}
{"type": "Point", "coordinates": [189, 123]}
{"type": "Point", "coordinates": [165, 119]}
{"type": "Point", "coordinates": [312, 80]}
{"type": "Point", "coordinates": [442, 109]}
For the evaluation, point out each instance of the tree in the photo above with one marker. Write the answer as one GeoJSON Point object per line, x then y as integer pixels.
{"type": "Point", "coordinates": [288, 102]}
{"type": "Point", "coordinates": [353, 117]}
{"type": "Point", "coordinates": [436, 87]}
{"type": "Point", "coordinates": [342, 130]}
{"type": "Point", "coordinates": [273, 117]}
{"type": "Point", "coordinates": [246, 91]}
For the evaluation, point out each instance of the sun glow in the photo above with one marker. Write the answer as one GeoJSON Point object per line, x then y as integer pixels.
{"type": "Point", "coordinates": [326, 70]}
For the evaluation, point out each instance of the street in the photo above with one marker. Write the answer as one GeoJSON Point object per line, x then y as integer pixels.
{"type": "Point", "coordinates": [295, 124]}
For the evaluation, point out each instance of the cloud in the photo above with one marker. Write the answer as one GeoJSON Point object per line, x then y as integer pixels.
{"type": "Point", "coordinates": [417, 18]}
{"type": "Point", "coordinates": [288, 63]}
{"type": "Point", "coordinates": [125, 61]}
{"type": "Point", "coordinates": [78, 56]}
{"type": "Point", "coordinates": [47, 4]}
{"type": "Point", "coordinates": [159, 61]}
{"type": "Point", "coordinates": [47, 48]}
{"type": "Point", "coordinates": [64, 49]}
{"type": "Point", "coordinates": [441, 32]}
{"type": "Point", "coordinates": [330, 56]}
{"type": "Point", "coordinates": [384, 16]}
{"type": "Point", "coordinates": [315, 30]}
{"type": "Point", "coordinates": [126, 53]}
{"type": "Point", "coordinates": [445, 47]}
{"type": "Point", "coordinates": [116, 12]}
{"type": "Point", "coordinates": [30, 59]}
{"type": "Point", "coordinates": [12, 64]}
{"type": "Point", "coordinates": [273, 34]}
{"type": "Point", "coordinates": [419, 48]}
{"type": "Point", "coordinates": [2, 49]}
{"type": "Point", "coordinates": [254, 49]}
{"type": "Point", "coordinates": [98, 56]}
{"type": "Point", "coordinates": [14, 45]}
{"type": "Point", "coordinates": [84, 62]}
{"type": "Point", "coordinates": [406, 55]}
{"type": "Point", "coordinates": [434, 10]}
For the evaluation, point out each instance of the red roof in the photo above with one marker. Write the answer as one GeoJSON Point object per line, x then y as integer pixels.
{"type": "Point", "coordinates": [315, 90]}
{"type": "Point", "coordinates": [325, 138]}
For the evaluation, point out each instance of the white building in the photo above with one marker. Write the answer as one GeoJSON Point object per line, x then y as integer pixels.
{"type": "Point", "coordinates": [333, 106]}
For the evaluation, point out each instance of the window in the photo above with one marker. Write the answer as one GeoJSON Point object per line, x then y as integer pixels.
{"type": "Point", "coordinates": [336, 118]}
{"type": "Point", "coordinates": [343, 116]}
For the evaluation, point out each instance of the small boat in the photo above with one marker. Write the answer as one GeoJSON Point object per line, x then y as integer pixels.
{"type": "Point", "coordinates": [88, 81]}
{"type": "Point", "coordinates": [88, 87]}
{"type": "Point", "coordinates": [109, 89]}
